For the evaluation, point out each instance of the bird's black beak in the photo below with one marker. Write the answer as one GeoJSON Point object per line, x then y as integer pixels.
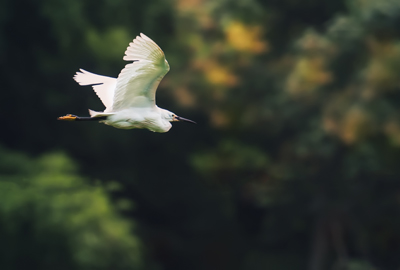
{"type": "Point", "coordinates": [178, 118]}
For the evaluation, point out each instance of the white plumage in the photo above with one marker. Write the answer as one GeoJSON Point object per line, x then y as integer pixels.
{"type": "Point", "coordinates": [130, 98]}
{"type": "Point", "coordinates": [104, 86]}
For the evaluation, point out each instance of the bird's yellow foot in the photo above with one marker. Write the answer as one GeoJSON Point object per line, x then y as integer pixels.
{"type": "Point", "coordinates": [68, 117]}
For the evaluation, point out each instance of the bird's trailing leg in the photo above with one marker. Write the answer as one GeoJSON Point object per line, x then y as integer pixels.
{"type": "Point", "coordinates": [71, 117]}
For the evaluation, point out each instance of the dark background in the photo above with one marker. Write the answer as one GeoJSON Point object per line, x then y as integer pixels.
{"type": "Point", "coordinates": [294, 162]}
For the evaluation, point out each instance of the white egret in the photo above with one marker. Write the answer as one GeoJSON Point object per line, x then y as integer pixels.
{"type": "Point", "coordinates": [130, 98]}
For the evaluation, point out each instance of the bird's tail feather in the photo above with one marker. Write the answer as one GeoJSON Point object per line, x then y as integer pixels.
{"type": "Point", "coordinates": [98, 114]}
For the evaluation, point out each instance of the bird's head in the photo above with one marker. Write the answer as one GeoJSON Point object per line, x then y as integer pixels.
{"type": "Point", "coordinates": [172, 117]}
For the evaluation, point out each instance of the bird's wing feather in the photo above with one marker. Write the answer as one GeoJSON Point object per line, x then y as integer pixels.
{"type": "Point", "coordinates": [103, 86]}
{"type": "Point", "coordinates": [137, 83]}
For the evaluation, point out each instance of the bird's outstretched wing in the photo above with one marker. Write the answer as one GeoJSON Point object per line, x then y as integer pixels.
{"type": "Point", "coordinates": [137, 83]}
{"type": "Point", "coordinates": [103, 86]}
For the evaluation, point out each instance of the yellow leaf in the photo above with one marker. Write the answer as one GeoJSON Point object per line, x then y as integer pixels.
{"type": "Point", "coordinates": [245, 38]}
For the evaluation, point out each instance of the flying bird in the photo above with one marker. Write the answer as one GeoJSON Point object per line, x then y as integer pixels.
{"type": "Point", "coordinates": [130, 98]}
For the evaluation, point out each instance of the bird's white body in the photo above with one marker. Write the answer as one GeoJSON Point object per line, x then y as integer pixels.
{"type": "Point", "coordinates": [130, 98]}
{"type": "Point", "coordinates": [151, 118]}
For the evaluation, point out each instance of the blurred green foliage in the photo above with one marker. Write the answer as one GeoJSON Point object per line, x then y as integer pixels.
{"type": "Point", "coordinates": [293, 165]}
{"type": "Point", "coordinates": [52, 218]}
